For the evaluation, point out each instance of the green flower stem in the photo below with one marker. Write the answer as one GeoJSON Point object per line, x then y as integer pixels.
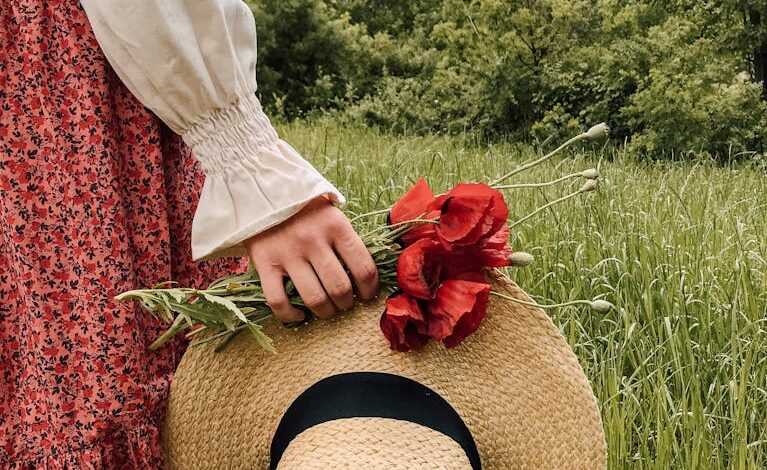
{"type": "Point", "coordinates": [177, 326]}
{"type": "Point", "coordinates": [196, 331]}
{"type": "Point", "coordinates": [236, 330]}
{"type": "Point", "coordinates": [401, 225]}
{"type": "Point", "coordinates": [540, 185]}
{"type": "Point", "coordinates": [227, 339]}
{"type": "Point", "coordinates": [236, 290]}
{"type": "Point", "coordinates": [370, 214]}
{"type": "Point", "coordinates": [542, 208]}
{"type": "Point", "coordinates": [534, 163]}
{"type": "Point", "coordinates": [533, 304]}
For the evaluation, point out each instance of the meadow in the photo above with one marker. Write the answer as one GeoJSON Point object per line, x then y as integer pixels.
{"type": "Point", "coordinates": [679, 367]}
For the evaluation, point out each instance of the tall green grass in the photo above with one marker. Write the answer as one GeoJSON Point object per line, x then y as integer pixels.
{"type": "Point", "coordinates": [680, 368]}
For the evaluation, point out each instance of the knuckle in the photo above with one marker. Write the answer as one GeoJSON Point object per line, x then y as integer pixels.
{"type": "Point", "coordinates": [277, 303]}
{"type": "Point", "coordinates": [340, 287]}
{"type": "Point", "coordinates": [350, 243]}
{"type": "Point", "coordinates": [326, 265]}
{"type": "Point", "coordinates": [315, 300]}
{"type": "Point", "coordinates": [368, 272]}
{"type": "Point", "coordinates": [266, 262]}
{"type": "Point", "coordinates": [305, 240]}
{"type": "Point", "coordinates": [340, 226]}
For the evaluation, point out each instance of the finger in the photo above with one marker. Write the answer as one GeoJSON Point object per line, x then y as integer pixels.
{"type": "Point", "coordinates": [334, 279]}
{"type": "Point", "coordinates": [274, 292]}
{"type": "Point", "coordinates": [310, 289]}
{"type": "Point", "coordinates": [359, 262]}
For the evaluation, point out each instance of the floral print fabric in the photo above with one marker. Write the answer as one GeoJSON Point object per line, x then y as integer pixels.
{"type": "Point", "coordinates": [96, 198]}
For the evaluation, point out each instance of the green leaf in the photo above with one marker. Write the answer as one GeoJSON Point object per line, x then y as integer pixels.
{"type": "Point", "coordinates": [198, 312]}
{"type": "Point", "coordinates": [245, 298]}
{"type": "Point", "coordinates": [264, 341]}
{"type": "Point", "coordinates": [236, 278]}
{"type": "Point", "coordinates": [228, 304]}
{"type": "Point", "coordinates": [163, 285]}
{"type": "Point", "coordinates": [177, 326]}
{"type": "Point", "coordinates": [177, 294]}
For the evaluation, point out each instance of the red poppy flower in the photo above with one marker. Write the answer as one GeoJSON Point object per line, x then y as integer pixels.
{"type": "Point", "coordinates": [417, 203]}
{"type": "Point", "coordinates": [491, 253]}
{"type": "Point", "coordinates": [419, 267]}
{"type": "Point", "coordinates": [457, 310]}
{"type": "Point", "coordinates": [403, 323]}
{"type": "Point", "coordinates": [470, 214]}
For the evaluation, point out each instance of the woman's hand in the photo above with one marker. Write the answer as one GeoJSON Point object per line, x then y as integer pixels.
{"type": "Point", "coordinates": [312, 248]}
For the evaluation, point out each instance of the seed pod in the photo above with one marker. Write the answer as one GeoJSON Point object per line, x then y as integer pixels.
{"type": "Point", "coordinates": [520, 259]}
{"type": "Point", "coordinates": [591, 173]}
{"type": "Point", "coordinates": [589, 185]}
{"type": "Point", "coordinates": [601, 306]}
{"type": "Point", "coordinates": [598, 131]}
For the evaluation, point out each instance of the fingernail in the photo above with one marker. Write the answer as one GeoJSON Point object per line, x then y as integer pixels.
{"type": "Point", "coordinates": [298, 315]}
{"type": "Point", "coordinates": [300, 319]}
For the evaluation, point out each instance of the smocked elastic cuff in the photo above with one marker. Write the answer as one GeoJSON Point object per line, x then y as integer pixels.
{"type": "Point", "coordinates": [254, 180]}
{"type": "Point", "coordinates": [239, 131]}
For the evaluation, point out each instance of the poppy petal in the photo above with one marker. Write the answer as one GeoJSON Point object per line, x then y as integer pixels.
{"type": "Point", "coordinates": [496, 250]}
{"type": "Point", "coordinates": [471, 213]}
{"type": "Point", "coordinates": [419, 267]}
{"type": "Point", "coordinates": [471, 190]}
{"type": "Point", "coordinates": [413, 204]}
{"type": "Point", "coordinates": [418, 232]}
{"type": "Point", "coordinates": [457, 310]}
{"type": "Point", "coordinates": [461, 218]}
{"type": "Point", "coordinates": [403, 323]}
{"type": "Point", "coordinates": [499, 239]}
{"type": "Point", "coordinates": [437, 203]}
{"type": "Point", "coordinates": [473, 276]}
{"type": "Point", "coordinates": [425, 230]}
{"type": "Point", "coordinates": [433, 211]}
{"type": "Point", "coordinates": [499, 212]}
{"type": "Point", "coordinates": [461, 260]}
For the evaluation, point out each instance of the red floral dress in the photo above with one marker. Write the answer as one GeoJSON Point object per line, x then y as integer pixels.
{"type": "Point", "coordinates": [96, 197]}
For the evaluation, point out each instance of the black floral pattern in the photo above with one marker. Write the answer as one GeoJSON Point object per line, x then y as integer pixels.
{"type": "Point", "coordinates": [96, 197]}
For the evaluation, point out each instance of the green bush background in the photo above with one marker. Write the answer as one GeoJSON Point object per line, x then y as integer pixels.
{"type": "Point", "coordinates": [674, 79]}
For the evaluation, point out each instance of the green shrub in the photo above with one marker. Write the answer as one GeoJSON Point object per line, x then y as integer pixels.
{"type": "Point", "coordinates": [695, 100]}
{"type": "Point", "coordinates": [671, 78]}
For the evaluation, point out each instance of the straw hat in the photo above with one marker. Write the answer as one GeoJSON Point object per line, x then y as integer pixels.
{"type": "Point", "coordinates": [518, 396]}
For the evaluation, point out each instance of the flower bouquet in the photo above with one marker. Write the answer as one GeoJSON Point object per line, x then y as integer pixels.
{"type": "Point", "coordinates": [433, 255]}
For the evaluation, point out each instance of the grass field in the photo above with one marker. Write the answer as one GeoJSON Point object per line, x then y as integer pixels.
{"type": "Point", "coordinates": [680, 368]}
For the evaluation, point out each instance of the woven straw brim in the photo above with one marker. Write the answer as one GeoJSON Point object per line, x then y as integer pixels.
{"type": "Point", "coordinates": [516, 383]}
{"type": "Point", "coordinates": [373, 444]}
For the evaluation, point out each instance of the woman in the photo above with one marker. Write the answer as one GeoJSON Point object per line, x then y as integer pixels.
{"type": "Point", "coordinates": [98, 197]}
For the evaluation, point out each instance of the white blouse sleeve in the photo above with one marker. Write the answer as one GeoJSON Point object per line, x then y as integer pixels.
{"type": "Point", "coordinates": [193, 62]}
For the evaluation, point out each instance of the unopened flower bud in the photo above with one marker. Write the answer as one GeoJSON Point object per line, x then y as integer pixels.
{"type": "Point", "coordinates": [591, 173]}
{"type": "Point", "coordinates": [601, 306]}
{"type": "Point", "coordinates": [598, 131]}
{"type": "Point", "coordinates": [589, 185]}
{"type": "Point", "coordinates": [520, 259]}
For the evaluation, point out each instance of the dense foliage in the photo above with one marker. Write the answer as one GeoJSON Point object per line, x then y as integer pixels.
{"type": "Point", "coordinates": [679, 77]}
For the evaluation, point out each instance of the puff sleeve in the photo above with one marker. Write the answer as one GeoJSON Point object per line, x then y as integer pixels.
{"type": "Point", "coordinates": [193, 63]}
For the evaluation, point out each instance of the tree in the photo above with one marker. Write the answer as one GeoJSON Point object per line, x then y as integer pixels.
{"type": "Point", "coordinates": [674, 77]}
{"type": "Point", "coordinates": [756, 14]}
